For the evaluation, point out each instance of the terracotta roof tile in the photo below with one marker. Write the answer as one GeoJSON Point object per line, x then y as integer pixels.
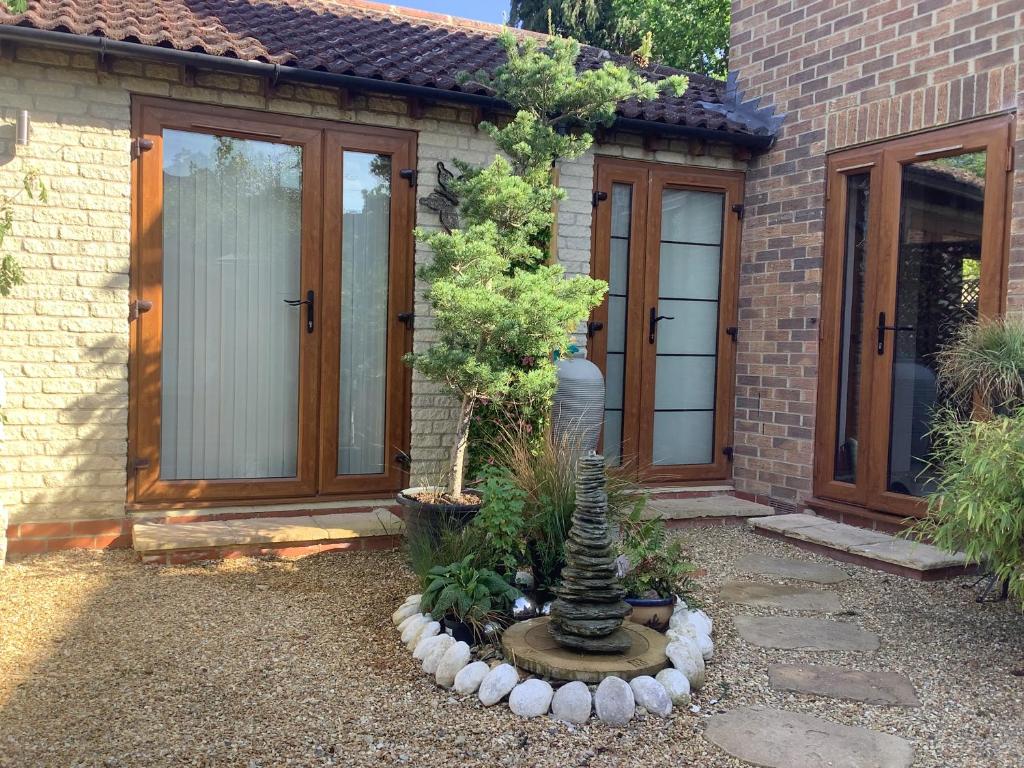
{"type": "Point", "coordinates": [344, 37]}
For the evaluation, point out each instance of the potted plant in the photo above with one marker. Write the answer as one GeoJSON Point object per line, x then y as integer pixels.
{"type": "Point", "coordinates": [463, 598]}
{"type": "Point", "coordinates": [653, 569]}
{"type": "Point", "coordinates": [501, 310]}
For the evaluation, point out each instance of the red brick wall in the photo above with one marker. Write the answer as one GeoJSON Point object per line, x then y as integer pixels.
{"type": "Point", "coordinates": [845, 72]}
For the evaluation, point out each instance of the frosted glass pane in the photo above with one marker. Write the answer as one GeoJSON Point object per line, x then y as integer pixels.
{"type": "Point", "coordinates": [612, 444]}
{"type": "Point", "coordinates": [693, 329]}
{"type": "Point", "coordinates": [692, 217]}
{"type": "Point", "coordinates": [689, 271]}
{"type": "Point", "coordinates": [618, 267]}
{"type": "Point", "coordinates": [614, 380]}
{"type": "Point", "coordinates": [683, 438]}
{"type": "Point", "coordinates": [616, 324]}
{"type": "Point", "coordinates": [366, 219]}
{"type": "Point", "coordinates": [622, 206]}
{"type": "Point", "coordinates": [230, 354]}
{"type": "Point", "coordinates": [684, 382]}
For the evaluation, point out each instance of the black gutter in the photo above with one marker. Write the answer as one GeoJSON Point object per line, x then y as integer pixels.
{"type": "Point", "coordinates": [278, 73]}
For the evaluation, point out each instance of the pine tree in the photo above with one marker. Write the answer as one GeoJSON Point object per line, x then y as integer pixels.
{"type": "Point", "coordinates": [500, 311]}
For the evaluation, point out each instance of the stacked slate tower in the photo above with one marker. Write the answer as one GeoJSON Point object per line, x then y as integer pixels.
{"type": "Point", "coordinates": [589, 610]}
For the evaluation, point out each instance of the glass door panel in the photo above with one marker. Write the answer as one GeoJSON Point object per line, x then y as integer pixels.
{"type": "Point", "coordinates": [942, 205]}
{"type": "Point", "coordinates": [684, 327]}
{"type": "Point", "coordinates": [848, 411]}
{"type": "Point", "coordinates": [615, 326]}
{"type": "Point", "coordinates": [230, 354]}
{"type": "Point", "coordinates": [365, 249]}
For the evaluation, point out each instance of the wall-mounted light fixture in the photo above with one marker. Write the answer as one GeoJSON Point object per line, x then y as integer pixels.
{"type": "Point", "coordinates": [23, 128]}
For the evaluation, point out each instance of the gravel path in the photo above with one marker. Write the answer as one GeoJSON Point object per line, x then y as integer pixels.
{"type": "Point", "coordinates": [255, 663]}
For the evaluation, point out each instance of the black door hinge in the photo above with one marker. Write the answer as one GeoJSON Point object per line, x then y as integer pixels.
{"type": "Point", "coordinates": [409, 174]}
{"type": "Point", "coordinates": [139, 146]}
{"type": "Point", "coordinates": [403, 459]}
{"type": "Point", "coordinates": [738, 209]}
{"type": "Point", "coordinates": [138, 463]}
{"type": "Point", "coordinates": [138, 307]}
{"type": "Point", "coordinates": [409, 318]}
{"type": "Point", "coordinates": [733, 331]}
{"type": "Point", "coordinates": [598, 197]}
{"type": "Point", "coordinates": [727, 452]}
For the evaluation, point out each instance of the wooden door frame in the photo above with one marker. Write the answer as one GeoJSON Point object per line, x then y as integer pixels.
{"type": "Point", "coordinates": [653, 178]}
{"type": "Point", "coordinates": [996, 136]}
{"type": "Point", "coordinates": [402, 150]}
{"type": "Point", "coordinates": [150, 116]}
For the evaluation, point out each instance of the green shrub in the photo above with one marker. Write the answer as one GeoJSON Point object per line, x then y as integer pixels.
{"type": "Point", "coordinates": [978, 506]}
{"type": "Point", "coordinates": [500, 524]}
{"type": "Point", "coordinates": [465, 593]}
{"type": "Point", "coordinates": [656, 564]}
{"type": "Point", "coordinates": [984, 366]}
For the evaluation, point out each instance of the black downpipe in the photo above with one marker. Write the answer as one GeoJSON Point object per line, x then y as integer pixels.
{"type": "Point", "coordinates": [104, 46]}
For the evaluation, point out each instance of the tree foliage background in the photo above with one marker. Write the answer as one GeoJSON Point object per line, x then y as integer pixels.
{"type": "Point", "coordinates": [692, 35]}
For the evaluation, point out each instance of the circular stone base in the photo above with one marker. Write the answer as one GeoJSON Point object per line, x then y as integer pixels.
{"type": "Point", "coordinates": [529, 644]}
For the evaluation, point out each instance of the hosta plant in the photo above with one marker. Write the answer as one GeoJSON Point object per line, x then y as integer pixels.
{"type": "Point", "coordinates": [467, 594]}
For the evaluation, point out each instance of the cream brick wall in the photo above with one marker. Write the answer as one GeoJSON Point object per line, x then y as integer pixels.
{"type": "Point", "coordinates": [64, 345]}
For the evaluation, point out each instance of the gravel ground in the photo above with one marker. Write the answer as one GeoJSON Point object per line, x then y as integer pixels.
{"type": "Point", "coordinates": [255, 663]}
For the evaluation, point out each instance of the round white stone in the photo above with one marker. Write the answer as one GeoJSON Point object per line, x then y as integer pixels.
{"type": "Point", "coordinates": [454, 659]}
{"type": "Point", "coordinates": [676, 686]}
{"type": "Point", "coordinates": [405, 612]}
{"type": "Point", "coordinates": [572, 702]}
{"type": "Point", "coordinates": [497, 684]}
{"type": "Point", "coordinates": [470, 676]}
{"type": "Point", "coordinates": [699, 620]}
{"type": "Point", "coordinates": [689, 632]}
{"type": "Point", "coordinates": [687, 658]}
{"type": "Point", "coordinates": [651, 695]}
{"type": "Point", "coordinates": [531, 698]}
{"type": "Point", "coordinates": [614, 701]}
{"type": "Point", "coordinates": [414, 627]}
{"type": "Point", "coordinates": [434, 656]}
{"type": "Point", "coordinates": [413, 600]}
{"type": "Point", "coordinates": [425, 645]}
{"type": "Point", "coordinates": [429, 629]}
{"type": "Point", "coordinates": [408, 620]}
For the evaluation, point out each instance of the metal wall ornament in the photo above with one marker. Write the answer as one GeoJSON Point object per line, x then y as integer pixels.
{"type": "Point", "coordinates": [443, 199]}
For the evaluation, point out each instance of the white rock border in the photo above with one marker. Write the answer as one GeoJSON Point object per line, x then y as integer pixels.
{"type": "Point", "coordinates": [451, 663]}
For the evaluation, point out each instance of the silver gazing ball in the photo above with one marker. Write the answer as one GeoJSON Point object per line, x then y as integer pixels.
{"type": "Point", "coordinates": [492, 631]}
{"type": "Point", "coordinates": [545, 610]}
{"type": "Point", "coordinates": [524, 608]}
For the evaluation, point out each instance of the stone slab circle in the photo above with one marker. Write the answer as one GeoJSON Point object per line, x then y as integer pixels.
{"type": "Point", "coordinates": [530, 646]}
{"type": "Point", "coordinates": [775, 738]}
{"type": "Point", "coordinates": [783, 596]}
{"type": "Point", "coordinates": [805, 634]}
{"type": "Point", "coordinates": [842, 683]}
{"type": "Point", "coordinates": [788, 568]}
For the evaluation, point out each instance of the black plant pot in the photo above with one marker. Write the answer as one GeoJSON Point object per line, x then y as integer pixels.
{"type": "Point", "coordinates": [424, 519]}
{"type": "Point", "coordinates": [460, 631]}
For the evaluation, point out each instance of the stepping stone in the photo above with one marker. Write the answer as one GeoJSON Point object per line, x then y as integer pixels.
{"type": "Point", "coordinates": [774, 738]}
{"type": "Point", "coordinates": [787, 568]}
{"type": "Point", "coordinates": [793, 633]}
{"type": "Point", "coordinates": [842, 683]}
{"type": "Point", "coordinates": [783, 596]}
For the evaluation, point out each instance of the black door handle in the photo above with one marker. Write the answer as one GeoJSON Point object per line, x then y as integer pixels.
{"type": "Point", "coordinates": [308, 301]}
{"type": "Point", "coordinates": [882, 328]}
{"type": "Point", "coordinates": [652, 329]}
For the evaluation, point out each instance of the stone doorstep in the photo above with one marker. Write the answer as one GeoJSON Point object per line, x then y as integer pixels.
{"type": "Point", "coordinates": [866, 547]}
{"type": "Point", "coordinates": [154, 538]}
{"type": "Point", "coordinates": [705, 507]}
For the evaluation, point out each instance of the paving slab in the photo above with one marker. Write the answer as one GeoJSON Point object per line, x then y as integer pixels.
{"type": "Point", "coordinates": [783, 596]}
{"type": "Point", "coordinates": [838, 535]}
{"type": "Point", "coordinates": [788, 568]}
{"type": "Point", "coordinates": [775, 738]}
{"type": "Point", "coordinates": [912, 554]}
{"type": "Point", "coordinates": [805, 634]}
{"type": "Point", "coordinates": [353, 525]}
{"type": "Point", "coordinates": [706, 506]}
{"type": "Point", "coordinates": [784, 523]}
{"type": "Point", "coordinates": [843, 683]}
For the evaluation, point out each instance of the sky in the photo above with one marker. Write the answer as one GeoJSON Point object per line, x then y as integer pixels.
{"type": "Point", "coordinates": [493, 11]}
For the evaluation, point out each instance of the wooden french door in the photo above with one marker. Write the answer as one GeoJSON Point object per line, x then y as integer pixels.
{"type": "Point", "coordinates": [272, 260]}
{"type": "Point", "coordinates": [666, 239]}
{"type": "Point", "coordinates": [915, 246]}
